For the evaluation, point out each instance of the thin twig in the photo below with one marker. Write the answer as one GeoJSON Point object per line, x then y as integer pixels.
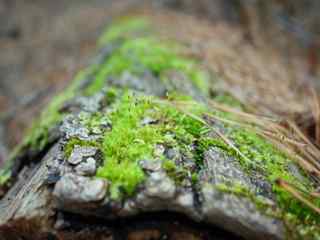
{"type": "Point", "coordinates": [316, 114]}
{"type": "Point", "coordinates": [221, 135]}
{"type": "Point", "coordinates": [297, 195]}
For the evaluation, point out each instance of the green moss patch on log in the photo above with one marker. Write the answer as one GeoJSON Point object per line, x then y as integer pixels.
{"type": "Point", "coordinates": [130, 140]}
{"type": "Point", "coordinates": [37, 136]}
{"type": "Point", "coordinates": [124, 28]}
{"type": "Point", "coordinates": [176, 124]}
{"type": "Point", "coordinates": [228, 100]}
{"type": "Point", "coordinates": [261, 157]}
{"type": "Point", "coordinates": [4, 177]}
{"type": "Point", "coordinates": [273, 165]}
{"type": "Point", "coordinates": [72, 143]}
{"type": "Point", "coordinates": [142, 52]}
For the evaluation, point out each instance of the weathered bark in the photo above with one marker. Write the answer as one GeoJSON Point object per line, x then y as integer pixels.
{"type": "Point", "coordinates": [54, 192]}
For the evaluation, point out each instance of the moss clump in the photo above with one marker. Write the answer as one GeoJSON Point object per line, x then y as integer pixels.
{"type": "Point", "coordinates": [273, 164]}
{"type": "Point", "coordinates": [111, 95]}
{"type": "Point", "coordinates": [204, 143]}
{"type": "Point", "coordinates": [144, 53]}
{"type": "Point", "coordinates": [242, 191]}
{"type": "Point", "coordinates": [129, 141]}
{"type": "Point", "coordinates": [178, 173]}
{"type": "Point", "coordinates": [265, 159]}
{"type": "Point", "coordinates": [124, 28]}
{"type": "Point", "coordinates": [4, 177]}
{"type": "Point", "coordinates": [68, 148]}
{"type": "Point", "coordinates": [228, 100]}
{"type": "Point", "coordinates": [37, 136]}
{"type": "Point", "coordinates": [5, 171]}
{"type": "Point", "coordinates": [97, 123]}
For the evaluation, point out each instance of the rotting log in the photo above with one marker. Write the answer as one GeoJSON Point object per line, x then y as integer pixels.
{"type": "Point", "coordinates": [135, 139]}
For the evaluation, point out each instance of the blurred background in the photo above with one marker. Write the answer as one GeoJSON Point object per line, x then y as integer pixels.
{"type": "Point", "coordinates": [43, 43]}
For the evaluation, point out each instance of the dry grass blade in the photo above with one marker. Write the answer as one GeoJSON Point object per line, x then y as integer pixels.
{"type": "Point", "coordinates": [265, 123]}
{"type": "Point", "coordinates": [227, 141]}
{"type": "Point", "coordinates": [284, 138]}
{"type": "Point", "coordinates": [315, 109]}
{"type": "Point", "coordinates": [291, 141]}
{"type": "Point", "coordinates": [302, 155]}
{"type": "Point", "coordinates": [289, 188]}
{"type": "Point", "coordinates": [285, 135]}
{"type": "Point", "coordinates": [304, 164]}
{"type": "Point", "coordinates": [297, 146]}
{"type": "Point", "coordinates": [247, 116]}
{"type": "Point", "coordinates": [297, 130]}
{"type": "Point", "coordinates": [315, 194]}
{"type": "Point", "coordinates": [260, 131]}
{"type": "Point", "coordinates": [221, 135]}
{"type": "Point", "coordinates": [310, 157]}
{"type": "Point", "coordinates": [311, 149]}
{"type": "Point", "coordinates": [231, 122]}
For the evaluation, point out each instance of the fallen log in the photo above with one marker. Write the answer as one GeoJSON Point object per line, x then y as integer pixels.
{"type": "Point", "coordinates": [138, 137]}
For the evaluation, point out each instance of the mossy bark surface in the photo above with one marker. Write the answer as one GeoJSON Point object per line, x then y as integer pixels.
{"type": "Point", "coordinates": [135, 133]}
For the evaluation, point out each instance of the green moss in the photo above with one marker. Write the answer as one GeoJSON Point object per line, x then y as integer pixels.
{"type": "Point", "coordinates": [242, 191]}
{"type": "Point", "coordinates": [177, 173]}
{"type": "Point", "coordinates": [296, 229]}
{"type": "Point", "coordinates": [273, 164]}
{"type": "Point", "coordinates": [38, 134]}
{"type": "Point", "coordinates": [266, 158]}
{"type": "Point", "coordinates": [194, 178]}
{"type": "Point", "coordinates": [138, 54]}
{"type": "Point", "coordinates": [97, 123]}
{"type": "Point", "coordinates": [5, 171]}
{"type": "Point", "coordinates": [123, 27]}
{"type": "Point", "coordinates": [111, 95]}
{"type": "Point", "coordinates": [204, 143]}
{"type": "Point", "coordinates": [4, 177]}
{"type": "Point", "coordinates": [228, 100]}
{"type": "Point", "coordinates": [263, 158]}
{"type": "Point", "coordinates": [68, 148]}
{"type": "Point", "coordinates": [130, 141]}
{"type": "Point", "coordinates": [299, 231]}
